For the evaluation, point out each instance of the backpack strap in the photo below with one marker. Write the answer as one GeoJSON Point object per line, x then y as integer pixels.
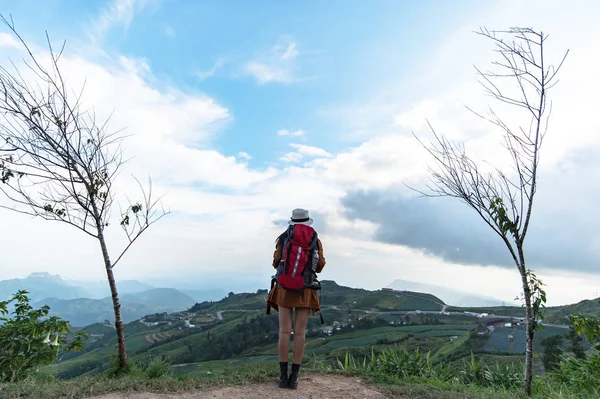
{"type": "Point", "coordinates": [273, 282]}
{"type": "Point", "coordinates": [286, 239]}
{"type": "Point", "coordinates": [313, 247]}
{"type": "Point", "coordinates": [287, 236]}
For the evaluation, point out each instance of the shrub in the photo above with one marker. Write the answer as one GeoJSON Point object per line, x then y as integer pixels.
{"type": "Point", "coordinates": [30, 339]}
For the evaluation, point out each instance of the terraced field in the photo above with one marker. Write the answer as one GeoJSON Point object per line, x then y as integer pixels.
{"type": "Point", "coordinates": [161, 336]}
{"type": "Point", "coordinates": [498, 341]}
{"type": "Point", "coordinates": [382, 335]}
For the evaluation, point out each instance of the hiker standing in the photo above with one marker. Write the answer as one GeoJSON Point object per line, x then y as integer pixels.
{"type": "Point", "coordinates": [298, 258]}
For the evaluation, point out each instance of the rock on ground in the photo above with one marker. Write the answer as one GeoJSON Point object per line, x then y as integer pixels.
{"type": "Point", "coordinates": [309, 387]}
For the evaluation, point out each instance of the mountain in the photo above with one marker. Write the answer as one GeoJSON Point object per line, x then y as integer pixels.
{"type": "Point", "coordinates": [448, 295]}
{"type": "Point", "coordinates": [168, 299]}
{"type": "Point", "coordinates": [39, 286]}
{"type": "Point", "coordinates": [98, 289]}
{"type": "Point", "coordinates": [134, 306]}
{"type": "Point", "coordinates": [85, 311]}
{"type": "Point", "coordinates": [205, 295]}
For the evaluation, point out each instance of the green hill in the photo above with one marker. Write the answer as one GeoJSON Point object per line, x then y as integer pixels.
{"type": "Point", "coordinates": [560, 314]}
{"type": "Point", "coordinates": [385, 299]}
{"type": "Point", "coordinates": [235, 330]}
{"type": "Point", "coordinates": [236, 327]}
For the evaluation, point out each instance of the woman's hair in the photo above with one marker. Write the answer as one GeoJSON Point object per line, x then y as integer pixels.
{"type": "Point", "coordinates": [280, 239]}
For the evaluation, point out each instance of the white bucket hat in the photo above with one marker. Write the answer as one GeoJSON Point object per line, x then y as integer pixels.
{"type": "Point", "coordinates": [300, 216]}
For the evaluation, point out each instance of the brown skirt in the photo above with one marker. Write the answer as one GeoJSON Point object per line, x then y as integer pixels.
{"type": "Point", "coordinates": [307, 298]}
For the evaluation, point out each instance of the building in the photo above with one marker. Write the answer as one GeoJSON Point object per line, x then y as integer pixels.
{"type": "Point", "coordinates": [482, 330]}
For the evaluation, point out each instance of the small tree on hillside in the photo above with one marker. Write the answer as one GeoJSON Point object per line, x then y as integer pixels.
{"type": "Point", "coordinates": [503, 199]}
{"type": "Point", "coordinates": [58, 163]}
{"type": "Point", "coordinates": [552, 351]}
{"type": "Point", "coordinates": [576, 345]}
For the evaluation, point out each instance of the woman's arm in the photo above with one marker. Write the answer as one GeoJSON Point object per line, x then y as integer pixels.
{"type": "Point", "coordinates": [277, 254]}
{"type": "Point", "coordinates": [321, 263]}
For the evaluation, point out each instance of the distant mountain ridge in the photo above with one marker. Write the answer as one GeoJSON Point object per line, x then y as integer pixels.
{"type": "Point", "coordinates": [40, 286]}
{"type": "Point", "coordinates": [86, 311]}
{"type": "Point", "coordinates": [449, 295]}
{"type": "Point", "coordinates": [87, 302]}
{"type": "Point", "coordinates": [99, 289]}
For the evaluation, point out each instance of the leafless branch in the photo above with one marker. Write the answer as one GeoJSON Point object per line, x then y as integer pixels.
{"type": "Point", "coordinates": [505, 200]}
{"type": "Point", "coordinates": [57, 162]}
{"type": "Point", "coordinates": [144, 215]}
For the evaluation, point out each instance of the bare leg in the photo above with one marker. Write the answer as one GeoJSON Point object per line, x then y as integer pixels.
{"type": "Point", "coordinates": [285, 329]}
{"type": "Point", "coordinates": [300, 334]}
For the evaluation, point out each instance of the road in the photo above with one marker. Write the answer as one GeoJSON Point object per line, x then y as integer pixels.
{"type": "Point", "coordinates": [220, 312]}
{"type": "Point", "coordinates": [410, 312]}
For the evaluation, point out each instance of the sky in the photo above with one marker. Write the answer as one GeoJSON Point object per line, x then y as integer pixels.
{"type": "Point", "coordinates": [241, 111]}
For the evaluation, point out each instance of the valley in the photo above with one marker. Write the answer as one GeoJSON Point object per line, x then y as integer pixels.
{"type": "Point", "coordinates": [213, 336]}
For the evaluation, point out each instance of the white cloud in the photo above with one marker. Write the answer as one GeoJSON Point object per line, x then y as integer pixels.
{"type": "Point", "coordinates": [119, 12]}
{"type": "Point", "coordinates": [291, 52]}
{"type": "Point", "coordinates": [278, 65]}
{"type": "Point", "coordinates": [304, 151]}
{"type": "Point", "coordinates": [8, 40]}
{"type": "Point", "coordinates": [295, 133]}
{"type": "Point", "coordinates": [291, 157]}
{"type": "Point", "coordinates": [309, 151]}
{"type": "Point", "coordinates": [202, 75]}
{"type": "Point", "coordinates": [244, 156]}
{"type": "Point", "coordinates": [266, 73]}
{"type": "Point", "coordinates": [219, 200]}
{"type": "Point", "coordinates": [169, 31]}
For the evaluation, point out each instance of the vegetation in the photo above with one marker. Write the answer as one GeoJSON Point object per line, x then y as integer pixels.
{"type": "Point", "coordinates": [397, 365]}
{"type": "Point", "coordinates": [29, 340]}
{"type": "Point", "coordinates": [156, 375]}
{"type": "Point", "coordinates": [504, 199]}
{"type": "Point", "coordinates": [432, 355]}
{"type": "Point", "coordinates": [552, 351]}
{"type": "Point", "coordinates": [58, 163]}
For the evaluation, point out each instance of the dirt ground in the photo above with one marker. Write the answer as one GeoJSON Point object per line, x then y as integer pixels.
{"type": "Point", "coordinates": [310, 387]}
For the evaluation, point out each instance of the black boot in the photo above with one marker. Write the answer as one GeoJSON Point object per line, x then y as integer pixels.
{"type": "Point", "coordinates": [293, 380]}
{"type": "Point", "coordinates": [282, 381]}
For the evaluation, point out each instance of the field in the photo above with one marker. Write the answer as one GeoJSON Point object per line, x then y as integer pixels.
{"type": "Point", "coordinates": [235, 331]}
{"type": "Point", "coordinates": [498, 341]}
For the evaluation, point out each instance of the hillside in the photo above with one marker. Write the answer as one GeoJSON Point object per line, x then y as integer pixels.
{"type": "Point", "coordinates": [560, 314]}
{"type": "Point", "coordinates": [235, 331]}
{"type": "Point", "coordinates": [448, 295]}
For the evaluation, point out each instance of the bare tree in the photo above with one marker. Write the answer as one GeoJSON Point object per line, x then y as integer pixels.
{"type": "Point", "coordinates": [504, 199]}
{"type": "Point", "coordinates": [58, 163]}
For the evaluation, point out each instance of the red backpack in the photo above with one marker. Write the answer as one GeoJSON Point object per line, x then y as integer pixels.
{"type": "Point", "coordinates": [298, 250]}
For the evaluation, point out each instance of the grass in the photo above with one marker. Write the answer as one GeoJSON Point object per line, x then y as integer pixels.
{"type": "Point", "coordinates": [48, 387]}
{"type": "Point", "coordinates": [413, 374]}
{"type": "Point", "coordinates": [395, 373]}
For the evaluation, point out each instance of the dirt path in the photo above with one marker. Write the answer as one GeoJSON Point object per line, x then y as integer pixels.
{"type": "Point", "coordinates": [310, 387]}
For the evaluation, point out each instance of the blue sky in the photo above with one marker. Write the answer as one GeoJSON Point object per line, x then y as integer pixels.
{"type": "Point", "coordinates": [243, 110]}
{"type": "Point", "coordinates": [346, 52]}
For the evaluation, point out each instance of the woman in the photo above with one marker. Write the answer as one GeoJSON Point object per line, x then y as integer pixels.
{"type": "Point", "coordinates": [303, 302]}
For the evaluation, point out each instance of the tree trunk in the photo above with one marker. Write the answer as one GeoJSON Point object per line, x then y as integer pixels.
{"type": "Point", "coordinates": [115, 300]}
{"type": "Point", "coordinates": [528, 331]}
